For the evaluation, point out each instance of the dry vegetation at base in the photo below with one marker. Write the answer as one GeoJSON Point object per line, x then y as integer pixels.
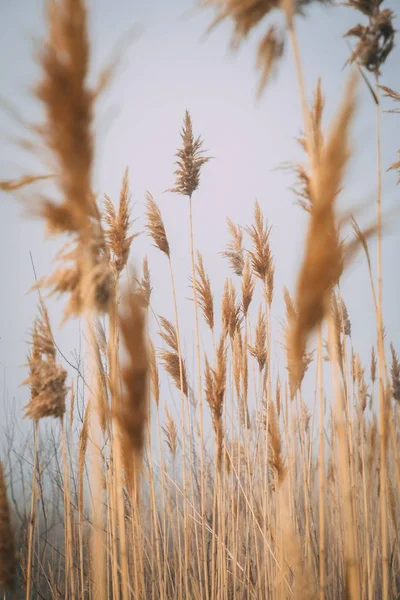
{"type": "Point", "coordinates": [289, 501]}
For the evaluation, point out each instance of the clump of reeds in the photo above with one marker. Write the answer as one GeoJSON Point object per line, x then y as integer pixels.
{"type": "Point", "coordinates": [8, 559]}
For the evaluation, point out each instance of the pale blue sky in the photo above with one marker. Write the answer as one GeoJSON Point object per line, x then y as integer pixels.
{"type": "Point", "coordinates": [169, 68]}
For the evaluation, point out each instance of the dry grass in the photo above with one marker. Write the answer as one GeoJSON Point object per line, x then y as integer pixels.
{"type": "Point", "coordinates": [272, 489]}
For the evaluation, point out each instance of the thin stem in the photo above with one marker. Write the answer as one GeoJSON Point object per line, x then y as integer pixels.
{"type": "Point", "coordinates": [183, 417]}
{"type": "Point", "coordinates": [381, 361]}
{"type": "Point", "coordinates": [321, 463]}
{"type": "Point", "coordinates": [70, 580]}
{"type": "Point", "coordinates": [200, 393]}
{"type": "Point", "coordinates": [32, 512]}
{"type": "Point", "coordinates": [98, 555]}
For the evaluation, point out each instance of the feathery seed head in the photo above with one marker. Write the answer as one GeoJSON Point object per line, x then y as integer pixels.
{"type": "Point", "coordinates": [190, 161]}
{"type": "Point", "coordinates": [375, 40]}
{"type": "Point", "coordinates": [373, 365]}
{"type": "Point", "coordinates": [231, 319]}
{"type": "Point", "coordinates": [323, 261]}
{"type": "Point", "coordinates": [117, 238]}
{"type": "Point", "coordinates": [175, 367]}
{"type": "Point", "coordinates": [47, 378]}
{"type": "Point", "coordinates": [171, 433]}
{"type": "Point", "coordinates": [155, 225]}
{"type": "Point", "coordinates": [259, 350]}
{"type": "Point", "coordinates": [203, 292]}
{"type": "Point", "coordinates": [154, 375]}
{"type": "Point", "coordinates": [296, 371]}
{"type": "Point", "coordinates": [395, 373]}
{"type": "Point", "coordinates": [248, 285]}
{"type": "Point", "coordinates": [345, 319]}
{"type": "Point", "coordinates": [248, 14]}
{"type": "Point", "coordinates": [234, 251]}
{"type": "Point", "coordinates": [215, 384]}
{"type": "Point", "coordinates": [144, 285]}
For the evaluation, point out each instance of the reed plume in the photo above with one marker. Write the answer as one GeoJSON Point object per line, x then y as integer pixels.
{"type": "Point", "coordinates": [190, 159]}
{"type": "Point", "coordinates": [373, 365]}
{"type": "Point", "coordinates": [259, 350]}
{"type": "Point", "coordinates": [215, 384]}
{"type": "Point", "coordinates": [260, 255]}
{"type": "Point", "coordinates": [231, 318]}
{"type": "Point", "coordinates": [175, 367]}
{"type": "Point", "coordinates": [345, 319]}
{"type": "Point", "coordinates": [144, 289]}
{"type": "Point", "coordinates": [67, 138]}
{"type": "Point", "coordinates": [155, 225]}
{"type": "Point", "coordinates": [171, 434]}
{"type": "Point", "coordinates": [154, 375]}
{"type": "Point", "coordinates": [375, 41]}
{"type": "Point", "coordinates": [47, 378]}
{"type": "Point", "coordinates": [234, 251]}
{"type": "Point", "coordinates": [204, 294]}
{"type": "Point", "coordinates": [323, 260]}
{"type": "Point", "coordinates": [395, 373]}
{"type": "Point", "coordinates": [248, 285]}
{"type": "Point", "coordinates": [247, 15]}
{"type": "Point", "coordinates": [296, 372]}
{"type": "Point", "coordinates": [117, 237]}
{"type": "Point", "coordinates": [312, 144]}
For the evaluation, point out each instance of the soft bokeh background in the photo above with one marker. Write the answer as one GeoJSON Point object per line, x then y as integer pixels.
{"type": "Point", "coordinates": [172, 65]}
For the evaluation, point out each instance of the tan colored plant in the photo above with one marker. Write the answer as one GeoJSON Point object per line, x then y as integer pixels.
{"type": "Point", "coordinates": [117, 237]}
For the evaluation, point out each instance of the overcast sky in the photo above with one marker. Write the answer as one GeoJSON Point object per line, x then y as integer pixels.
{"type": "Point", "coordinates": [171, 66]}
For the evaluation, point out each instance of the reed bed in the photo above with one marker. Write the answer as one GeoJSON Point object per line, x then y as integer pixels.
{"type": "Point", "coordinates": [246, 485]}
